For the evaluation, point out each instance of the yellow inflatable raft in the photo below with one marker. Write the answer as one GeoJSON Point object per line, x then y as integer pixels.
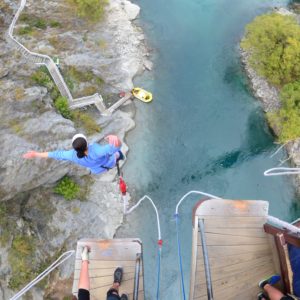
{"type": "Point", "coordinates": [142, 94]}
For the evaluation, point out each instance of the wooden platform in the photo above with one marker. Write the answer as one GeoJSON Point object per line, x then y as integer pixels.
{"type": "Point", "coordinates": [105, 257]}
{"type": "Point", "coordinates": [238, 249]}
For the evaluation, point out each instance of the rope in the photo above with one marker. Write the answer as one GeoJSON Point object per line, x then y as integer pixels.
{"type": "Point", "coordinates": [176, 215]}
{"type": "Point", "coordinates": [179, 256]}
{"type": "Point", "coordinates": [282, 171]}
{"type": "Point", "coordinates": [194, 192]}
{"type": "Point", "coordinates": [158, 272]}
{"type": "Point", "coordinates": [145, 197]}
{"type": "Point", "coordinates": [58, 262]}
{"type": "Point", "coordinates": [159, 240]}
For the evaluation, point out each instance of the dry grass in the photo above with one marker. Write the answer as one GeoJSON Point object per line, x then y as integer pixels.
{"type": "Point", "coordinates": [19, 93]}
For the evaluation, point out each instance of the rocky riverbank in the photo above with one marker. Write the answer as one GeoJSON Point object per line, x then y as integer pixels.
{"type": "Point", "coordinates": [269, 97]}
{"type": "Point", "coordinates": [45, 223]}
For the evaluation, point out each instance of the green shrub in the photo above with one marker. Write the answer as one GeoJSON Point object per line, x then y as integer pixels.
{"type": "Point", "coordinates": [39, 23]}
{"type": "Point", "coordinates": [62, 106]}
{"type": "Point", "coordinates": [22, 245]}
{"type": "Point", "coordinates": [54, 24]}
{"type": "Point", "coordinates": [67, 188]}
{"type": "Point", "coordinates": [93, 10]}
{"type": "Point", "coordinates": [54, 93]}
{"type": "Point", "coordinates": [287, 119]}
{"type": "Point", "coordinates": [273, 41]}
{"type": "Point", "coordinates": [20, 259]}
{"type": "Point", "coordinates": [74, 77]}
{"type": "Point", "coordinates": [85, 121]}
{"type": "Point", "coordinates": [43, 78]}
{"type": "Point", "coordinates": [25, 30]}
{"type": "Point", "coordinates": [5, 233]}
{"type": "Point", "coordinates": [79, 76]}
{"type": "Point", "coordinates": [33, 21]}
{"type": "Point", "coordinates": [25, 18]}
{"type": "Point", "coordinates": [16, 126]}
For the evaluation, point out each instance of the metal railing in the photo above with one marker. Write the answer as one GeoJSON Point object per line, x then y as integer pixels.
{"type": "Point", "coordinates": [137, 277]}
{"type": "Point", "coordinates": [53, 69]}
{"type": "Point", "coordinates": [206, 260]}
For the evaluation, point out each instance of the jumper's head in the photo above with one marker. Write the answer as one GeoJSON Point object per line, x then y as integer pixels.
{"type": "Point", "coordinates": [79, 143]}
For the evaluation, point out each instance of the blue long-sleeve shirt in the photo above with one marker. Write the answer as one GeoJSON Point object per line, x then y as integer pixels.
{"type": "Point", "coordinates": [98, 156]}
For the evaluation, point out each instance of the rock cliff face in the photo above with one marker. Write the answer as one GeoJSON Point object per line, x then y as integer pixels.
{"type": "Point", "coordinates": [113, 50]}
{"type": "Point", "coordinates": [269, 97]}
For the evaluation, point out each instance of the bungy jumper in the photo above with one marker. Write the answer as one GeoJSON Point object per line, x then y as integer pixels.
{"type": "Point", "coordinates": [235, 244]}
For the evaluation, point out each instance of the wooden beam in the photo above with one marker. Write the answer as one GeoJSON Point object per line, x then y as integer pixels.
{"type": "Point", "coordinates": [289, 237]}
{"type": "Point", "coordinates": [284, 266]}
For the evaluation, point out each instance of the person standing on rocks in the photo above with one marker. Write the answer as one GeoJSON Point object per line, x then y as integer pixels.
{"type": "Point", "coordinates": [96, 157]}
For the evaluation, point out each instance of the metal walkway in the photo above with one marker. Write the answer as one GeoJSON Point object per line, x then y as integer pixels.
{"type": "Point", "coordinates": [105, 257]}
{"type": "Point", "coordinates": [46, 60]}
{"type": "Point", "coordinates": [233, 251]}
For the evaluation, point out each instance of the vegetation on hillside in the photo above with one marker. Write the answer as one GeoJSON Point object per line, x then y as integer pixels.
{"type": "Point", "coordinates": [80, 118]}
{"type": "Point", "coordinates": [273, 43]}
{"type": "Point", "coordinates": [20, 258]}
{"type": "Point", "coordinates": [31, 23]}
{"type": "Point", "coordinates": [67, 188]}
{"type": "Point", "coordinates": [287, 119]}
{"type": "Point", "coordinates": [70, 189]}
{"type": "Point", "coordinates": [92, 10]}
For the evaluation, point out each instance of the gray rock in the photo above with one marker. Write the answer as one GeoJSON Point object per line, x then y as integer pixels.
{"type": "Point", "coordinates": [262, 89]}
{"type": "Point", "coordinates": [3, 71]}
{"type": "Point", "coordinates": [29, 122]}
{"type": "Point", "coordinates": [148, 65]}
{"type": "Point", "coordinates": [132, 10]}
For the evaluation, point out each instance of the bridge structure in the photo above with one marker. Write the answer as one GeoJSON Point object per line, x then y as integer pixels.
{"type": "Point", "coordinates": [42, 59]}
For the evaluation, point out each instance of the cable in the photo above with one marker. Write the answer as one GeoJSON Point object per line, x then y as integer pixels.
{"type": "Point", "coordinates": [145, 197]}
{"type": "Point", "coordinates": [179, 256]}
{"type": "Point", "coordinates": [159, 240]}
{"type": "Point", "coordinates": [158, 273]}
{"type": "Point", "coordinates": [282, 171]}
{"type": "Point", "coordinates": [176, 215]}
{"type": "Point", "coordinates": [194, 192]}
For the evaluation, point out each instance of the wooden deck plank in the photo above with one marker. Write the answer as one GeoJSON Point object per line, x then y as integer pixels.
{"type": "Point", "coordinates": [245, 232]}
{"type": "Point", "coordinates": [106, 249]}
{"type": "Point", "coordinates": [224, 272]}
{"type": "Point", "coordinates": [238, 249]}
{"type": "Point", "coordinates": [106, 282]}
{"type": "Point", "coordinates": [234, 259]}
{"type": "Point", "coordinates": [106, 264]}
{"type": "Point", "coordinates": [222, 207]}
{"type": "Point", "coordinates": [234, 222]}
{"type": "Point", "coordinates": [94, 273]}
{"type": "Point", "coordinates": [224, 265]}
{"type": "Point", "coordinates": [234, 283]}
{"type": "Point", "coordinates": [213, 239]}
{"type": "Point", "coordinates": [126, 288]}
{"type": "Point", "coordinates": [220, 251]}
{"type": "Point", "coordinates": [105, 257]}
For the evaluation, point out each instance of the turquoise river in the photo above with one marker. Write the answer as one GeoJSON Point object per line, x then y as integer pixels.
{"type": "Point", "coordinates": [203, 131]}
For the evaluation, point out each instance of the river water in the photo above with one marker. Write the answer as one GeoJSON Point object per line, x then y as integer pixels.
{"type": "Point", "coordinates": [203, 131]}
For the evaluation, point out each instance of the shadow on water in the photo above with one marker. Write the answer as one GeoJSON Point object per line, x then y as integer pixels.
{"type": "Point", "coordinates": [258, 140]}
{"type": "Point", "coordinates": [235, 77]}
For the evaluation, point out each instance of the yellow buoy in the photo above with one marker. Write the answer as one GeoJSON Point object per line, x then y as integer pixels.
{"type": "Point", "coordinates": [142, 94]}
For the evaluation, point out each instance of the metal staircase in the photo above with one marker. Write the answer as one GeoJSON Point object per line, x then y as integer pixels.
{"type": "Point", "coordinates": [46, 60]}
